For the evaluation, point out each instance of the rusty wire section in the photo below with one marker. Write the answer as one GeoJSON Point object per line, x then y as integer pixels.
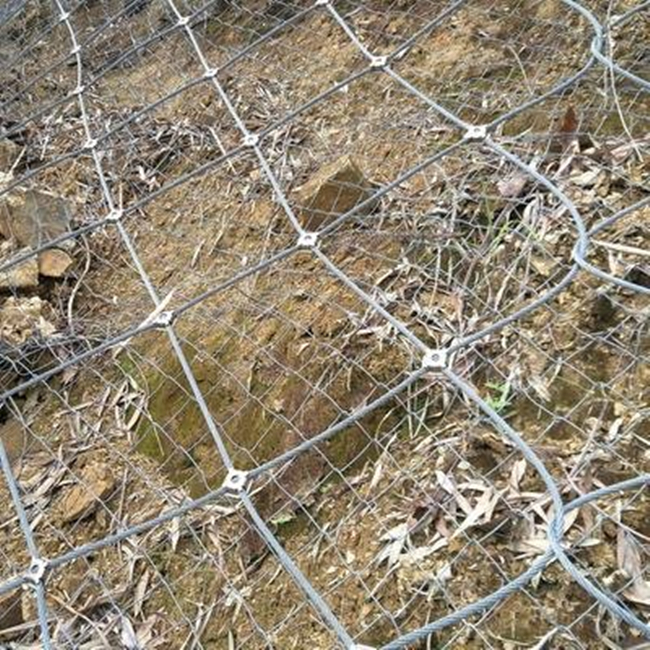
{"type": "Point", "coordinates": [351, 347]}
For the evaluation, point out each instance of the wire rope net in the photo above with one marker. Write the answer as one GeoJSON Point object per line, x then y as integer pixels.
{"type": "Point", "coordinates": [324, 324]}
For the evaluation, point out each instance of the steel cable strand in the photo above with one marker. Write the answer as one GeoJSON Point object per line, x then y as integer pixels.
{"type": "Point", "coordinates": [89, 38]}
{"type": "Point", "coordinates": [597, 45]}
{"type": "Point", "coordinates": [142, 45]}
{"type": "Point", "coordinates": [180, 355]}
{"type": "Point", "coordinates": [518, 583]}
{"type": "Point", "coordinates": [202, 168]}
{"type": "Point", "coordinates": [614, 607]}
{"type": "Point", "coordinates": [581, 244]}
{"type": "Point", "coordinates": [606, 223]}
{"type": "Point", "coordinates": [555, 530]}
{"type": "Point", "coordinates": [37, 563]}
{"type": "Point", "coordinates": [619, 215]}
{"type": "Point", "coordinates": [288, 565]}
{"type": "Point", "coordinates": [579, 250]}
{"type": "Point", "coordinates": [166, 325]}
{"type": "Point", "coordinates": [195, 173]}
{"type": "Point", "coordinates": [522, 579]}
{"type": "Point", "coordinates": [610, 64]}
{"type": "Point", "coordinates": [222, 492]}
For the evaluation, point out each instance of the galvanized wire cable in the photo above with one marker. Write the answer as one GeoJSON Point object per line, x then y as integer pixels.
{"type": "Point", "coordinates": [437, 362]}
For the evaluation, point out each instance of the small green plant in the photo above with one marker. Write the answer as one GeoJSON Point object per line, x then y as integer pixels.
{"type": "Point", "coordinates": [499, 400]}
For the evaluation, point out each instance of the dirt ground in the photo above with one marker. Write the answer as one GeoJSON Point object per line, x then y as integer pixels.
{"type": "Point", "coordinates": [422, 506]}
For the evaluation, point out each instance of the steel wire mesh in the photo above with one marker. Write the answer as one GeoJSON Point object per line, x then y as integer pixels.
{"type": "Point", "coordinates": [414, 414]}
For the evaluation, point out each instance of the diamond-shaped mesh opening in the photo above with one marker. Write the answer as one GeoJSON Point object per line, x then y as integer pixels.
{"type": "Point", "coordinates": [294, 371]}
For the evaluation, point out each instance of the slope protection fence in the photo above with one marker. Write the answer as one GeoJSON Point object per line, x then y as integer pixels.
{"type": "Point", "coordinates": [431, 365]}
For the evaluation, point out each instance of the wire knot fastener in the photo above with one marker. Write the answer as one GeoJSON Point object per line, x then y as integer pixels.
{"type": "Point", "coordinates": [476, 133]}
{"type": "Point", "coordinates": [163, 319]}
{"type": "Point", "coordinates": [321, 3]}
{"type": "Point", "coordinates": [251, 140]}
{"type": "Point", "coordinates": [36, 571]}
{"type": "Point", "coordinates": [211, 73]}
{"type": "Point", "coordinates": [235, 480]}
{"type": "Point", "coordinates": [435, 360]}
{"type": "Point", "coordinates": [114, 215]}
{"type": "Point", "coordinates": [183, 20]}
{"type": "Point", "coordinates": [377, 62]}
{"type": "Point", "coordinates": [308, 240]}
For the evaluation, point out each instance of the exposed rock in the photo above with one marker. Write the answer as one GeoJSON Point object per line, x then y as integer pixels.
{"type": "Point", "coordinates": [96, 483]}
{"type": "Point", "coordinates": [9, 152]}
{"type": "Point", "coordinates": [31, 217]}
{"type": "Point", "coordinates": [11, 609]}
{"type": "Point", "coordinates": [22, 319]}
{"type": "Point", "coordinates": [333, 191]}
{"type": "Point", "coordinates": [53, 263]}
{"type": "Point", "coordinates": [20, 276]}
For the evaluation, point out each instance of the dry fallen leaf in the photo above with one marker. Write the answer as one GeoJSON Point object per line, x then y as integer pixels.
{"type": "Point", "coordinates": [416, 555]}
{"type": "Point", "coordinates": [396, 539]}
{"type": "Point", "coordinates": [517, 473]}
{"type": "Point", "coordinates": [448, 486]}
{"type": "Point", "coordinates": [482, 511]}
{"type": "Point", "coordinates": [513, 185]}
{"type": "Point", "coordinates": [629, 561]}
{"type": "Point", "coordinates": [585, 179]}
{"type": "Point", "coordinates": [128, 635]}
{"type": "Point", "coordinates": [566, 130]}
{"type": "Point", "coordinates": [96, 484]}
{"type": "Point", "coordinates": [140, 592]}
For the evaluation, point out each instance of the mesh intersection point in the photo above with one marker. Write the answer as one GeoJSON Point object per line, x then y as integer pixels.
{"type": "Point", "coordinates": [308, 240]}
{"type": "Point", "coordinates": [251, 140]}
{"type": "Point", "coordinates": [36, 572]}
{"type": "Point", "coordinates": [164, 319]}
{"type": "Point", "coordinates": [435, 360]}
{"type": "Point", "coordinates": [235, 480]}
{"type": "Point", "coordinates": [476, 133]}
